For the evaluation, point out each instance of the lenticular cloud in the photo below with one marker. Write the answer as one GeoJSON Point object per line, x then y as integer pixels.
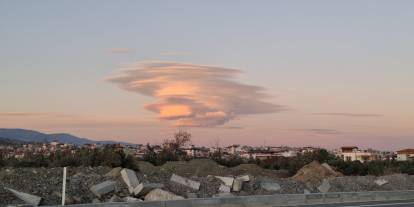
{"type": "Point", "coordinates": [193, 95]}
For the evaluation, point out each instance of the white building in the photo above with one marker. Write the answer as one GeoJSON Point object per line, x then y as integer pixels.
{"type": "Point", "coordinates": [354, 154]}
{"type": "Point", "coordinates": [405, 155]}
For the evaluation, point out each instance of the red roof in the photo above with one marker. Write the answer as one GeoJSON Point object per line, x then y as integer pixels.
{"type": "Point", "coordinates": [406, 151]}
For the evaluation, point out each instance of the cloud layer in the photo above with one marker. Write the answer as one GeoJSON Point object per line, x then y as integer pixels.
{"type": "Point", "coordinates": [348, 114]}
{"type": "Point", "coordinates": [194, 95]}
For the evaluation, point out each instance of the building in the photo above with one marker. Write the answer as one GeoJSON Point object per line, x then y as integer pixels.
{"type": "Point", "coordinates": [405, 155]}
{"type": "Point", "coordinates": [352, 153]}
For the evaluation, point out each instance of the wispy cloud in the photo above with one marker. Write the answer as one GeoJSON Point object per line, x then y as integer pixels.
{"type": "Point", "coordinates": [194, 95]}
{"type": "Point", "coordinates": [120, 50]}
{"type": "Point", "coordinates": [319, 131]}
{"type": "Point", "coordinates": [349, 114]}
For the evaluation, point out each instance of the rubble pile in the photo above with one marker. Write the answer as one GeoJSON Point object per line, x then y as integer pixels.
{"type": "Point", "coordinates": [178, 180]}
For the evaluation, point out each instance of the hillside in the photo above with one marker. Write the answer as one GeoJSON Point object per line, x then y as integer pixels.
{"type": "Point", "coordinates": [26, 135]}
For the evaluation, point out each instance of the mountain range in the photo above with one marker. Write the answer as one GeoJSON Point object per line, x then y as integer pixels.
{"type": "Point", "coordinates": [26, 135]}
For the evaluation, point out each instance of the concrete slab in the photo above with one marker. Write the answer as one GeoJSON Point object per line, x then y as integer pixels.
{"type": "Point", "coordinates": [161, 195]}
{"type": "Point", "coordinates": [185, 181]}
{"type": "Point", "coordinates": [130, 179]}
{"type": "Point", "coordinates": [27, 198]}
{"type": "Point", "coordinates": [103, 188]}
{"type": "Point", "coordinates": [224, 189]}
{"type": "Point", "coordinates": [226, 180]}
{"type": "Point", "coordinates": [325, 186]}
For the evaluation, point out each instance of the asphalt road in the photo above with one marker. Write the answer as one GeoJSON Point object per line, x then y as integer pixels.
{"type": "Point", "coordinates": [407, 203]}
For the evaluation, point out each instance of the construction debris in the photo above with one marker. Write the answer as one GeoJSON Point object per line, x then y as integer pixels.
{"type": "Point", "coordinates": [130, 179]}
{"type": "Point", "coordinates": [226, 180]}
{"type": "Point", "coordinates": [185, 181]}
{"type": "Point", "coordinates": [270, 186]}
{"type": "Point", "coordinates": [161, 195]}
{"type": "Point", "coordinates": [144, 188]}
{"type": "Point", "coordinates": [314, 173]}
{"type": "Point", "coordinates": [27, 198]}
{"type": "Point", "coordinates": [325, 186]}
{"type": "Point", "coordinates": [381, 182]}
{"type": "Point", "coordinates": [224, 189]}
{"type": "Point", "coordinates": [103, 188]}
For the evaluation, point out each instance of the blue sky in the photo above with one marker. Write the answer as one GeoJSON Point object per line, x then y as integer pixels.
{"type": "Point", "coordinates": [336, 57]}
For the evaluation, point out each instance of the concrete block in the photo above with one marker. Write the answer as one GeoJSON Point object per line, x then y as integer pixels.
{"type": "Point", "coordinates": [103, 188]}
{"type": "Point", "coordinates": [130, 179]}
{"type": "Point", "coordinates": [115, 172]}
{"type": "Point", "coordinates": [325, 186]}
{"type": "Point", "coordinates": [27, 198]}
{"type": "Point", "coordinates": [185, 181]}
{"type": "Point", "coordinates": [161, 195]}
{"type": "Point", "coordinates": [226, 180]}
{"type": "Point", "coordinates": [237, 185]}
{"type": "Point", "coordinates": [244, 178]}
{"type": "Point", "coordinates": [144, 188]}
{"type": "Point", "coordinates": [381, 182]}
{"type": "Point", "coordinates": [114, 199]}
{"type": "Point", "coordinates": [224, 189]}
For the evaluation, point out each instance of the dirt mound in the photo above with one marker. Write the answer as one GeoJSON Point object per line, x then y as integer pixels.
{"type": "Point", "coordinates": [315, 172]}
{"type": "Point", "coordinates": [205, 167]}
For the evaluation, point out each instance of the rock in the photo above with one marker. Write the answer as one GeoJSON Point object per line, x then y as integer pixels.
{"type": "Point", "coordinates": [244, 178]}
{"type": "Point", "coordinates": [224, 189]}
{"type": "Point", "coordinates": [129, 199]}
{"type": "Point", "coordinates": [144, 188]}
{"type": "Point", "coordinates": [306, 191]}
{"type": "Point", "coordinates": [115, 199]}
{"type": "Point", "coordinates": [270, 186]}
{"type": "Point", "coordinates": [325, 186]}
{"type": "Point", "coordinates": [381, 182]}
{"type": "Point", "coordinates": [185, 181]}
{"type": "Point", "coordinates": [130, 179]}
{"type": "Point", "coordinates": [226, 180]}
{"type": "Point", "coordinates": [27, 198]}
{"type": "Point", "coordinates": [103, 188]}
{"type": "Point", "coordinates": [237, 184]}
{"type": "Point", "coordinates": [161, 195]}
{"type": "Point", "coordinates": [115, 172]}
{"type": "Point", "coordinates": [95, 200]}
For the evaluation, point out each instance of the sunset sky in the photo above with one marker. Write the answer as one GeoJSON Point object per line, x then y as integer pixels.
{"type": "Point", "coordinates": [320, 73]}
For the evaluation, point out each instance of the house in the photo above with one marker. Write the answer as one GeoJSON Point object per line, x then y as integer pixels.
{"type": "Point", "coordinates": [405, 155]}
{"type": "Point", "coordinates": [352, 153]}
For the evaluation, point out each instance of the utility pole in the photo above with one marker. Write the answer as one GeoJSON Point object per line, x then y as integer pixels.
{"type": "Point", "coordinates": [64, 186]}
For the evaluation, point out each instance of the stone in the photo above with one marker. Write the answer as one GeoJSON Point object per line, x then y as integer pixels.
{"type": "Point", "coordinates": [381, 182]}
{"type": "Point", "coordinates": [306, 192]}
{"type": "Point", "coordinates": [115, 172]}
{"type": "Point", "coordinates": [224, 189]}
{"type": "Point", "coordinates": [270, 186]}
{"type": "Point", "coordinates": [115, 199]}
{"type": "Point", "coordinates": [244, 178]}
{"type": "Point", "coordinates": [161, 195]}
{"type": "Point", "coordinates": [325, 186]}
{"type": "Point", "coordinates": [130, 199]}
{"type": "Point", "coordinates": [95, 200]}
{"type": "Point", "coordinates": [130, 179]}
{"type": "Point", "coordinates": [103, 188]}
{"type": "Point", "coordinates": [185, 181]}
{"type": "Point", "coordinates": [237, 184]}
{"type": "Point", "coordinates": [27, 198]}
{"type": "Point", "coordinates": [144, 188]}
{"type": "Point", "coordinates": [226, 180]}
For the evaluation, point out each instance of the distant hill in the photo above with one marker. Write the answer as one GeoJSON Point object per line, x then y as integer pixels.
{"type": "Point", "coordinates": [26, 135]}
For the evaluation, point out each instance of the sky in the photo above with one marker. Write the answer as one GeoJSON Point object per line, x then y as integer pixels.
{"type": "Point", "coordinates": [298, 73]}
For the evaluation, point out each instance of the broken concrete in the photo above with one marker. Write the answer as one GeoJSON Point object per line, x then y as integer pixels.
{"type": "Point", "coordinates": [185, 181]}
{"type": "Point", "coordinates": [115, 172]}
{"type": "Point", "coordinates": [381, 182]}
{"type": "Point", "coordinates": [224, 189]}
{"type": "Point", "coordinates": [27, 198]}
{"type": "Point", "coordinates": [237, 185]}
{"type": "Point", "coordinates": [114, 199]}
{"type": "Point", "coordinates": [244, 178]}
{"type": "Point", "coordinates": [144, 188]}
{"type": "Point", "coordinates": [325, 186]}
{"type": "Point", "coordinates": [226, 180]}
{"type": "Point", "coordinates": [130, 179]}
{"type": "Point", "coordinates": [103, 188]}
{"type": "Point", "coordinates": [270, 186]}
{"type": "Point", "coordinates": [161, 195]}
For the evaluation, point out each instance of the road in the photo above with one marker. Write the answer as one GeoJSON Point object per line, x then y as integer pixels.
{"type": "Point", "coordinates": [406, 203]}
